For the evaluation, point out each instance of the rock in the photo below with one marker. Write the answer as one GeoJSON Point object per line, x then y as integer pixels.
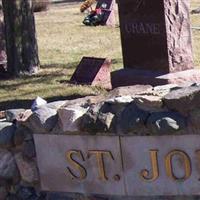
{"type": "Point", "coordinates": [7, 131]}
{"type": "Point", "coordinates": [28, 149]}
{"type": "Point", "coordinates": [27, 193]}
{"type": "Point", "coordinates": [183, 100]}
{"type": "Point", "coordinates": [166, 123]}
{"type": "Point", "coordinates": [2, 114]}
{"type": "Point", "coordinates": [163, 90]}
{"type": "Point", "coordinates": [85, 101]}
{"type": "Point", "coordinates": [132, 119]}
{"type": "Point", "coordinates": [27, 168]}
{"type": "Point", "coordinates": [130, 90]}
{"type": "Point", "coordinates": [38, 102]}
{"type": "Point", "coordinates": [13, 114]}
{"type": "Point", "coordinates": [12, 197]}
{"type": "Point", "coordinates": [23, 117]}
{"type": "Point", "coordinates": [22, 133]}
{"type": "Point", "coordinates": [194, 118]}
{"type": "Point", "coordinates": [149, 102]}
{"type": "Point", "coordinates": [56, 104]}
{"type": "Point", "coordinates": [89, 120]}
{"type": "Point", "coordinates": [120, 100]}
{"type": "Point", "coordinates": [3, 192]}
{"type": "Point", "coordinates": [8, 167]}
{"type": "Point", "coordinates": [106, 122]}
{"type": "Point", "coordinates": [97, 119]}
{"type": "Point", "coordinates": [70, 118]}
{"type": "Point", "coordinates": [42, 120]}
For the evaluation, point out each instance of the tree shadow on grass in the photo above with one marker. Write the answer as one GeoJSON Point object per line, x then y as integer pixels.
{"type": "Point", "coordinates": [26, 104]}
{"type": "Point", "coordinates": [71, 65]}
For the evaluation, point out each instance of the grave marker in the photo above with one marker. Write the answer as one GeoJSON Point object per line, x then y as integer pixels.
{"type": "Point", "coordinates": [93, 71]}
{"type": "Point", "coordinates": [156, 35]}
{"type": "Point", "coordinates": [156, 42]}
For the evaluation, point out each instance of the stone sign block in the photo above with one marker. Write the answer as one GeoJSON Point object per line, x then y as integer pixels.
{"type": "Point", "coordinates": [84, 164]}
{"type": "Point", "coordinates": [93, 71]}
{"type": "Point", "coordinates": [124, 166]}
{"type": "Point", "coordinates": [156, 35]}
{"type": "Point", "coordinates": [162, 165]}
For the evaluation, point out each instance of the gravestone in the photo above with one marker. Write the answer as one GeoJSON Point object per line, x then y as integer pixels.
{"type": "Point", "coordinates": [109, 11]}
{"type": "Point", "coordinates": [156, 40]}
{"type": "Point", "coordinates": [93, 71]}
{"type": "Point", "coordinates": [156, 34]}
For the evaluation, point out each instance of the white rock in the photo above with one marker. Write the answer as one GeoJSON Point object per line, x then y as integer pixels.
{"type": "Point", "coordinates": [70, 117]}
{"type": "Point", "coordinates": [38, 102]}
{"type": "Point", "coordinates": [149, 102]}
{"type": "Point", "coordinates": [121, 99]}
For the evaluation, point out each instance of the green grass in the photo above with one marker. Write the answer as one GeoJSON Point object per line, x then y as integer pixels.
{"type": "Point", "coordinates": [63, 41]}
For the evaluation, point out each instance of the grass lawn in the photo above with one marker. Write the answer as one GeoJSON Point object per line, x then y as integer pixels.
{"type": "Point", "coordinates": [63, 41]}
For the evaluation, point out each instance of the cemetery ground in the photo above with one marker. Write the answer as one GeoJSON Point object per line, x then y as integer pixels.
{"type": "Point", "coordinates": [63, 40]}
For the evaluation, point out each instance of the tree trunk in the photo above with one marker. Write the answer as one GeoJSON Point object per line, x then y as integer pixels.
{"type": "Point", "coordinates": [21, 43]}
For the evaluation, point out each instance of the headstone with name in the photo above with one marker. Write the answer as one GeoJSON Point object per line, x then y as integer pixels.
{"type": "Point", "coordinates": [93, 71]}
{"type": "Point", "coordinates": [156, 40]}
{"type": "Point", "coordinates": [156, 34]}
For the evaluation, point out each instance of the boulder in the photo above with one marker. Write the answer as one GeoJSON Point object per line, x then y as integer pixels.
{"type": "Point", "coordinates": [37, 103]}
{"type": "Point", "coordinates": [194, 118]}
{"type": "Point", "coordinates": [42, 120]}
{"type": "Point", "coordinates": [13, 114]}
{"type": "Point", "coordinates": [27, 168]}
{"type": "Point", "coordinates": [120, 100]}
{"type": "Point", "coordinates": [183, 100]}
{"type": "Point", "coordinates": [7, 131]}
{"type": "Point", "coordinates": [3, 192]}
{"type": "Point", "coordinates": [98, 118]}
{"type": "Point", "coordinates": [8, 167]}
{"type": "Point", "coordinates": [163, 90]}
{"type": "Point", "coordinates": [56, 104]}
{"type": "Point", "coordinates": [70, 117]}
{"type": "Point", "coordinates": [89, 120]}
{"type": "Point", "coordinates": [22, 133]}
{"type": "Point", "coordinates": [130, 90]}
{"type": "Point", "coordinates": [27, 193]}
{"type": "Point", "coordinates": [132, 119]}
{"type": "Point", "coordinates": [149, 103]}
{"type": "Point", "coordinates": [28, 149]}
{"type": "Point", "coordinates": [161, 123]}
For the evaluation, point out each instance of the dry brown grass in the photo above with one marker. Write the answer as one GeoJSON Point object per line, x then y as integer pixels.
{"type": "Point", "coordinates": [63, 41]}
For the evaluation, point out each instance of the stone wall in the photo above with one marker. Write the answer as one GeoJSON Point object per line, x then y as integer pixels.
{"type": "Point", "coordinates": [135, 110]}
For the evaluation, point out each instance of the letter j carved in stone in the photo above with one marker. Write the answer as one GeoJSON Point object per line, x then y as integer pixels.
{"type": "Point", "coordinates": [145, 174]}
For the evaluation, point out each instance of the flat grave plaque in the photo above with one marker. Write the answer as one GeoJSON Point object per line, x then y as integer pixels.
{"type": "Point", "coordinates": [93, 71]}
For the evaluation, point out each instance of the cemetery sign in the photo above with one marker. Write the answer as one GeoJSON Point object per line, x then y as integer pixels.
{"type": "Point", "coordinates": [116, 165]}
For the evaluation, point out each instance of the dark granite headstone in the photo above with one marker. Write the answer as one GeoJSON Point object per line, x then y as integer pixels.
{"type": "Point", "coordinates": [156, 35]}
{"type": "Point", "coordinates": [93, 71]}
{"type": "Point", "coordinates": [156, 43]}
